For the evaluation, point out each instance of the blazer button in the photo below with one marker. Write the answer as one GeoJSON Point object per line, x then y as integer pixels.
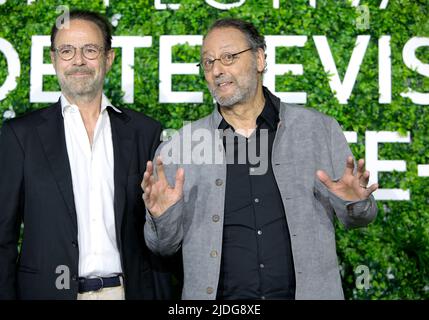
{"type": "Point", "coordinates": [219, 182]}
{"type": "Point", "coordinates": [215, 218]}
{"type": "Point", "coordinates": [209, 290]}
{"type": "Point", "coordinates": [74, 244]}
{"type": "Point", "coordinates": [213, 254]}
{"type": "Point", "coordinates": [74, 278]}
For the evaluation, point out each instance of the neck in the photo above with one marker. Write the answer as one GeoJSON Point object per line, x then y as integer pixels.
{"type": "Point", "coordinates": [242, 116]}
{"type": "Point", "coordinates": [89, 110]}
{"type": "Point", "coordinates": [89, 106]}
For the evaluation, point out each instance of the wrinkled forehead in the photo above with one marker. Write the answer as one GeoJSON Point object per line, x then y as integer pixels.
{"type": "Point", "coordinates": [223, 40]}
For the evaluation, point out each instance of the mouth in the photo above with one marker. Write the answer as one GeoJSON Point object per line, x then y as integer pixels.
{"type": "Point", "coordinates": [80, 74]}
{"type": "Point", "coordinates": [224, 85]}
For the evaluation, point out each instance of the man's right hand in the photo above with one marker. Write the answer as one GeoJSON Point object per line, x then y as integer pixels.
{"type": "Point", "coordinates": [158, 195]}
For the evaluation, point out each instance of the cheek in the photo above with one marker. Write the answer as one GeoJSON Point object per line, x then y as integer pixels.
{"type": "Point", "coordinates": [207, 77]}
{"type": "Point", "coordinates": [209, 81]}
{"type": "Point", "coordinates": [61, 66]}
{"type": "Point", "coordinates": [245, 74]}
{"type": "Point", "coordinates": [98, 68]}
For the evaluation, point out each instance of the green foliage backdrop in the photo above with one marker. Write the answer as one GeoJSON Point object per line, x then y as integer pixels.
{"type": "Point", "coordinates": [396, 246]}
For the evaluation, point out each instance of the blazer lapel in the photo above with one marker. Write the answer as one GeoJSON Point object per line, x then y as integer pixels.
{"type": "Point", "coordinates": [52, 136]}
{"type": "Point", "coordinates": [122, 138]}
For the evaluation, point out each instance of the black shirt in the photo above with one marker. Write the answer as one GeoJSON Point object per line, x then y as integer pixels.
{"type": "Point", "coordinates": [257, 260]}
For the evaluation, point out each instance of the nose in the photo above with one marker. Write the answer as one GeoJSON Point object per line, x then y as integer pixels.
{"type": "Point", "coordinates": [218, 68]}
{"type": "Point", "coordinates": [79, 59]}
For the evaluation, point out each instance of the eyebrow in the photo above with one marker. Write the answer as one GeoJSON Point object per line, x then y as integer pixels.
{"type": "Point", "coordinates": [86, 44]}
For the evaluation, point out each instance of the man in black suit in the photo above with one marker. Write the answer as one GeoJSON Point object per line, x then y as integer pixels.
{"type": "Point", "coordinates": [71, 173]}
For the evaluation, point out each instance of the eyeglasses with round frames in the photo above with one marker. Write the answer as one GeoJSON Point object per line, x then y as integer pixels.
{"type": "Point", "coordinates": [226, 59]}
{"type": "Point", "coordinates": [89, 51]}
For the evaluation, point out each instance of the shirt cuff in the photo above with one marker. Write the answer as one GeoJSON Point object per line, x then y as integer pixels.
{"type": "Point", "coordinates": [149, 220]}
{"type": "Point", "coordinates": [356, 208]}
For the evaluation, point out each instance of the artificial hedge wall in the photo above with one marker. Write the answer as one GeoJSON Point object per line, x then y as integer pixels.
{"type": "Point", "coordinates": [396, 247]}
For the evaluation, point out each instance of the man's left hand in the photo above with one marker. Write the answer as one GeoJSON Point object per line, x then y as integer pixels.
{"type": "Point", "coordinates": [351, 186]}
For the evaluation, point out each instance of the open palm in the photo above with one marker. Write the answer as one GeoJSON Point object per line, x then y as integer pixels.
{"type": "Point", "coordinates": [351, 186]}
{"type": "Point", "coordinates": [158, 195]}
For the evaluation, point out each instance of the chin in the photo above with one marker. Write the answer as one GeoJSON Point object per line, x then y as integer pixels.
{"type": "Point", "coordinates": [228, 101]}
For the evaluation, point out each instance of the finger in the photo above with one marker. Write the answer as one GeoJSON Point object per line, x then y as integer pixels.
{"type": "Point", "coordinates": [146, 199]}
{"type": "Point", "coordinates": [360, 167]}
{"type": "Point", "coordinates": [146, 195]}
{"type": "Point", "coordinates": [148, 172]}
{"type": "Point", "coordinates": [152, 180]}
{"type": "Point", "coordinates": [149, 167]}
{"type": "Point", "coordinates": [325, 179]}
{"type": "Point", "coordinates": [372, 188]}
{"type": "Point", "coordinates": [350, 165]}
{"type": "Point", "coordinates": [363, 180]}
{"type": "Point", "coordinates": [180, 180]}
{"type": "Point", "coordinates": [146, 180]}
{"type": "Point", "coordinates": [160, 169]}
{"type": "Point", "coordinates": [148, 190]}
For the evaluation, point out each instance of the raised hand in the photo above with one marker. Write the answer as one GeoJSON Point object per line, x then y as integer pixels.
{"type": "Point", "coordinates": [351, 187]}
{"type": "Point", "coordinates": [158, 195]}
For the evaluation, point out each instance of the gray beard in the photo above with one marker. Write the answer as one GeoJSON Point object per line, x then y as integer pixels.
{"type": "Point", "coordinates": [85, 92]}
{"type": "Point", "coordinates": [227, 101]}
{"type": "Point", "coordinates": [242, 94]}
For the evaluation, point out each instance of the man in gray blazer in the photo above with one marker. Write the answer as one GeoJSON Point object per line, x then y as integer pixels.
{"type": "Point", "coordinates": [264, 180]}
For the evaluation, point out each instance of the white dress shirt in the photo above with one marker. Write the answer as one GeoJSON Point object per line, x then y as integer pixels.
{"type": "Point", "coordinates": [93, 188]}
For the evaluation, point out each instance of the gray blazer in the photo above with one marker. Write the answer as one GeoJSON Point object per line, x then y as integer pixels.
{"type": "Point", "coordinates": [306, 141]}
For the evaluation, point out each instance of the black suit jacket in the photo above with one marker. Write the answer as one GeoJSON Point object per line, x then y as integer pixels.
{"type": "Point", "coordinates": [36, 188]}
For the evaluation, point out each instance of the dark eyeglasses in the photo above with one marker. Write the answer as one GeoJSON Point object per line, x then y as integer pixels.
{"type": "Point", "coordinates": [226, 59]}
{"type": "Point", "coordinates": [89, 51]}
